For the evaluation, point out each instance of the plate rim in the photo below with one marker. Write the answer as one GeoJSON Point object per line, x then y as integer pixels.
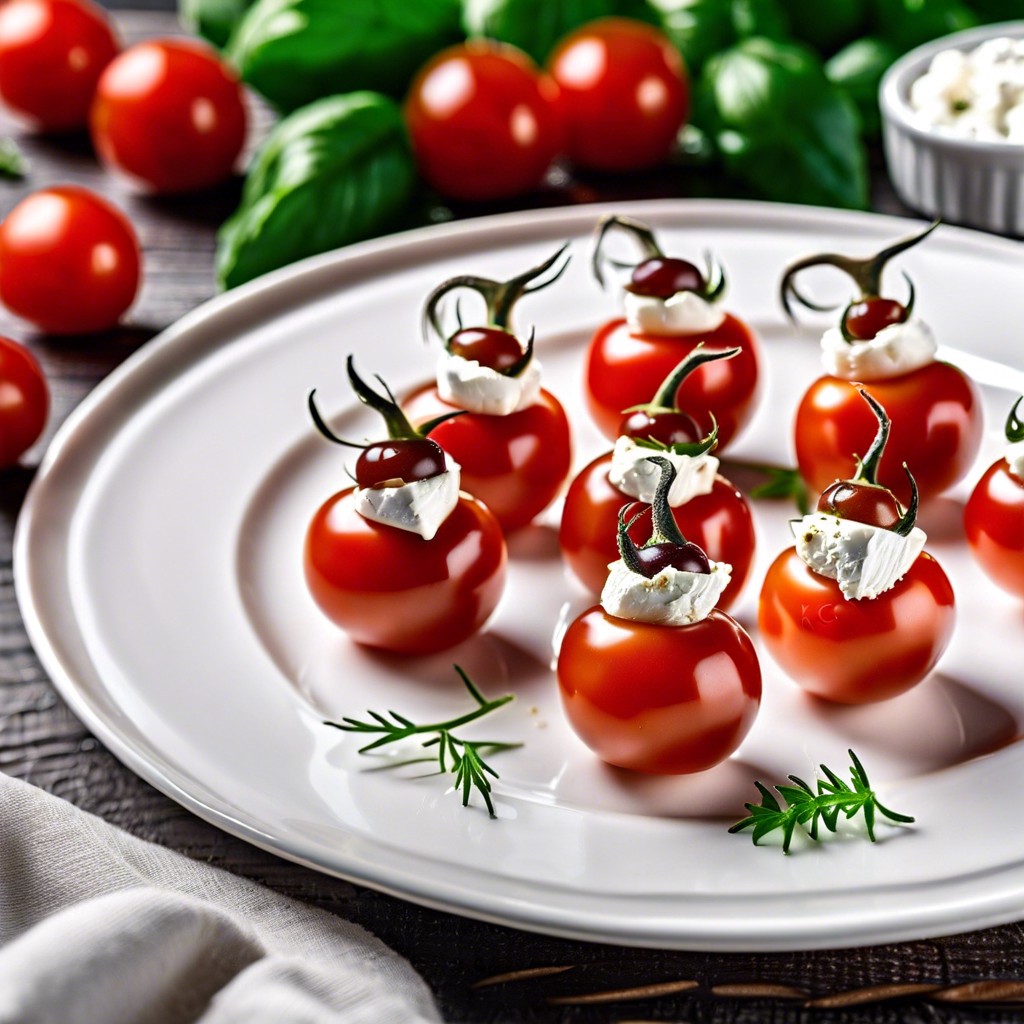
{"type": "Point", "coordinates": [288, 287]}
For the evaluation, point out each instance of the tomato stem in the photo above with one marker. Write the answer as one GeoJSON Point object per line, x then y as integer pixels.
{"type": "Point", "coordinates": [664, 399]}
{"type": "Point", "coordinates": [499, 296]}
{"type": "Point", "coordinates": [1014, 424]}
{"type": "Point", "coordinates": [909, 519]}
{"type": "Point", "coordinates": [866, 273]}
{"type": "Point", "coordinates": [867, 465]}
{"type": "Point", "coordinates": [666, 529]}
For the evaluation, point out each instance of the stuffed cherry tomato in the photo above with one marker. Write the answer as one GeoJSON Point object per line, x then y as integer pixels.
{"type": "Point", "coordinates": [934, 408]}
{"type": "Point", "coordinates": [655, 678]}
{"type": "Point", "coordinates": [856, 612]}
{"type": "Point", "coordinates": [994, 516]}
{"type": "Point", "coordinates": [403, 561]}
{"type": "Point", "coordinates": [707, 508]}
{"type": "Point", "coordinates": [671, 307]}
{"type": "Point", "coordinates": [513, 442]}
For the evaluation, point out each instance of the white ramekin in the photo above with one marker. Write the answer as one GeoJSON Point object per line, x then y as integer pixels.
{"type": "Point", "coordinates": [962, 181]}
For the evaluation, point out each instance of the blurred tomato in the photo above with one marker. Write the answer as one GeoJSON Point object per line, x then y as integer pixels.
{"type": "Point", "coordinates": [623, 92]}
{"type": "Point", "coordinates": [170, 114]}
{"type": "Point", "coordinates": [52, 53]}
{"type": "Point", "coordinates": [69, 261]}
{"type": "Point", "coordinates": [483, 121]}
{"type": "Point", "coordinates": [24, 401]}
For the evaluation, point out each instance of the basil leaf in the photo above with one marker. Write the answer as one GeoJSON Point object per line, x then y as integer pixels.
{"type": "Point", "coordinates": [857, 70]}
{"type": "Point", "coordinates": [537, 25]}
{"type": "Point", "coordinates": [332, 173]}
{"type": "Point", "coordinates": [701, 28]}
{"type": "Point", "coordinates": [213, 19]}
{"type": "Point", "coordinates": [781, 127]}
{"type": "Point", "coordinates": [296, 51]}
{"type": "Point", "coordinates": [909, 23]}
{"type": "Point", "coordinates": [826, 27]}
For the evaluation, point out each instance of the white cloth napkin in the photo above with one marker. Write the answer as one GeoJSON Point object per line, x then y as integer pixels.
{"type": "Point", "coordinates": [97, 927]}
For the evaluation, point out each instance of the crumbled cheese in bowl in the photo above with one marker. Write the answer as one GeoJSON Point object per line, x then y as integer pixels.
{"type": "Point", "coordinates": [974, 95]}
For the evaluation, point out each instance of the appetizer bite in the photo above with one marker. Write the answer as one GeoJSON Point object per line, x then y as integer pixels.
{"type": "Point", "coordinates": [513, 444]}
{"type": "Point", "coordinates": [994, 516]}
{"type": "Point", "coordinates": [857, 611]}
{"type": "Point", "coordinates": [706, 507]}
{"type": "Point", "coordinates": [655, 678]}
{"type": "Point", "coordinates": [403, 561]}
{"type": "Point", "coordinates": [934, 408]}
{"type": "Point", "coordinates": [671, 307]}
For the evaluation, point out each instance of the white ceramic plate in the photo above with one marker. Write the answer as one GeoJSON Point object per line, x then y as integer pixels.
{"type": "Point", "coordinates": [159, 572]}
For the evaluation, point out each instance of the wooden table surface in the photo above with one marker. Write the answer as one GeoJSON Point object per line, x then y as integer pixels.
{"type": "Point", "coordinates": [43, 743]}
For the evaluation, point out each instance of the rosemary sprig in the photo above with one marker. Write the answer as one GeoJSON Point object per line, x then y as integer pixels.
{"type": "Point", "coordinates": [463, 758]}
{"type": "Point", "coordinates": [807, 807]}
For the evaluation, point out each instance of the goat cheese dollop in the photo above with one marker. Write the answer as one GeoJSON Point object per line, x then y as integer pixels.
{"type": "Point", "coordinates": [893, 351]}
{"type": "Point", "coordinates": [633, 473]}
{"type": "Point", "coordinates": [683, 313]}
{"type": "Point", "coordinates": [477, 388]}
{"type": "Point", "coordinates": [418, 507]}
{"type": "Point", "coordinates": [864, 560]}
{"type": "Point", "coordinates": [1015, 458]}
{"type": "Point", "coordinates": [670, 598]}
{"type": "Point", "coordinates": [976, 95]}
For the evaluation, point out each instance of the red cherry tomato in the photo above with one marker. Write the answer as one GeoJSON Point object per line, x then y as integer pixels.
{"type": "Point", "coordinates": [994, 520]}
{"type": "Point", "coordinates": [483, 121]}
{"type": "Point", "coordinates": [936, 429]}
{"type": "Point", "coordinates": [719, 522]}
{"type": "Point", "coordinates": [625, 369]}
{"type": "Point", "coordinates": [170, 114]}
{"type": "Point", "coordinates": [69, 261]}
{"type": "Point", "coordinates": [516, 464]}
{"type": "Point", "coordinates": [392, 589]}
{"type": "Point", "coordinates": [24, 401]}
{"type": "Point", "coordinates": [623, 92]}
{"type": "Point", "coordinates": [855, 652]}
{"type": "Point", "coordinates": [52, 53]}
{"type": "Point", "coordinates": [661, 699]}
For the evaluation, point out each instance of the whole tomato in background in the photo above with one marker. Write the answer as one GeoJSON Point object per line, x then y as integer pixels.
{"type": "Point", "coordinates": [625, 366]}
{"type": "Point", "coordinates": [483, 121]}
{"type": "Point", "coordinates": [170, 114]}
{"type": "Point", "coordinates": [24, 401]}
{"type": "Point", "coordinates": [994, 515]}
{"type": "Point", "coordinates": [69, 261]}
{"type": "Point", "coordinates": [623, 93]}
{"type": "Point", "coordinates": [52, 53]}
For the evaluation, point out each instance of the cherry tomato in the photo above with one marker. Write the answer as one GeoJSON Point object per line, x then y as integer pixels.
{"type": "Point", "coordinates": [624, 369]}
{"type": "Point", "coordinates": [483, 121]}
{"type": "Point", "coordinates": [719, 522]}
{"type": "Point", "coordinates": [24, 401]}
{"type": "Point", "coordinates": [864, 319]}
{"type": "Point", "coordinates": [52, 53]}
{"type": "Point", "coordinates": [936, 429]}
{"type": "Point", "coordinates": [69, 261]}
{"type": "Point", "coordinates": [994, 520]}
{"type": "Point", "coordinates": [624, 94]}
{"type": "Point", "coordinates": [391, 589]}
{"type": "Point", "coordinates": [170, 114]}
{"type": "Point", "coordinates": [516, 464]}
{"type": "Point", "coordinates": [660, 699]}
{"type": "Point", "coordinates": [855, 652]}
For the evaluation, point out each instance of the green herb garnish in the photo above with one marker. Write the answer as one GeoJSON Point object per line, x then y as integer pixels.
{"type": "Point", "coordinates": [462, 758]}
{"type": "Point", "coordinates": [807, 807]}
{"type": "Point", "coordinates": [12, 161]}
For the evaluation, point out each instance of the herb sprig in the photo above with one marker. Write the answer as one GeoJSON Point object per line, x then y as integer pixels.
{"type": "Point", "coordinates": [462, 758]}
{"type": "Point", "coordinates": [807, 807]}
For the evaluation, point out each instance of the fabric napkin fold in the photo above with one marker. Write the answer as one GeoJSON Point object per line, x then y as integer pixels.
{"type": "Point", "coordinates": [97, 927]}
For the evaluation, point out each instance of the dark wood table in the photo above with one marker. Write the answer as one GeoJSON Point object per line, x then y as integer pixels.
{"type": "Point", "coordinates": [43, 743]}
